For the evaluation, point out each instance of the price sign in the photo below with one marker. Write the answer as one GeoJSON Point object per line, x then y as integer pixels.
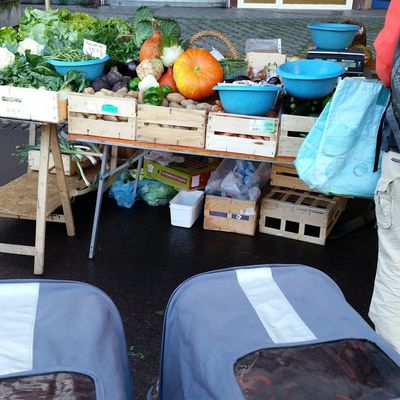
{"type": "Point", "coordinates": [96, 50]}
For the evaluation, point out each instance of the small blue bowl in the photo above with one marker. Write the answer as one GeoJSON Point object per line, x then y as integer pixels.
{"type": "Point", "coordinates": [310, 79]}
{"type": "Point", "coordinates": [92, 68]}
{"type": "Point", "coordinates": [330, 36]}
{"type": "Point", "coordinates": [247, 100]}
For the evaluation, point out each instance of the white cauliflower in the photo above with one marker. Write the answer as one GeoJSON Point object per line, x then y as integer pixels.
{"type": "Point", "coordinates": [6, 58]}
{"type": "Point", "coordinates": [30, 44]}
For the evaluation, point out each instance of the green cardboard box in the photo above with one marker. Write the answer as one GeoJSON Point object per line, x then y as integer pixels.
{"type": "Point", "coordinates": [192, 174]}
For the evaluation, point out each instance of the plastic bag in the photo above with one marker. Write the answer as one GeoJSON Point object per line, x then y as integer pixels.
{"type": "Point", "coordinates": [122, 190]}
{"type": "Point", "coordinates": [155, 193]}
{"type": "Point", "coordinates": [337, 156]}
{"type": "Point", "coordinates": [239, 179]}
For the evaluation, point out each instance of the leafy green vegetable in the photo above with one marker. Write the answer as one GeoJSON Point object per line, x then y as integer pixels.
{"type": "Point", "coordinates": [55, 28]}
{"type": "Point", "coordinates": [142, 14]}
{"type": "Point", "coordinates": [109, 32]}
{"type": "Point", "coordinates": [34, 71]}
{"type": "Point", "coordinates": [8, 38]}
{"type": "Point", "coordinates": [169, 28]}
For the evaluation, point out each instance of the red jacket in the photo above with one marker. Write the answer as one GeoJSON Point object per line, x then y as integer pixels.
{"type": "Point", "coordinates": [386, 42]}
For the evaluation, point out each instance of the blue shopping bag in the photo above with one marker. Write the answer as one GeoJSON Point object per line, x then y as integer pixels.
{"type": "Point", "coordinates": [337, 156]}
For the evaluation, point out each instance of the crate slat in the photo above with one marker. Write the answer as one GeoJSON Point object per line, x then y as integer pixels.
{"type": "Point", "coordinates": [293, 130]}
{"type": "Point", "coordinates": [32, 104]}
{"type": "Point", "coordinates": [171, 126]}
{"type": "Point", "coordinates": [300, 215]}
{"type": "Point", "coordinates": [230, 215]}
{"type": "Point", "coordinates": [286, 176]}
{"type": "Point", "coordinates": [105, 105]}
{"type": "Point", "coordinates": [219, 124]}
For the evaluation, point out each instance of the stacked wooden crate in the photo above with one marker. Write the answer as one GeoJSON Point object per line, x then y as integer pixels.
{"type": "Point", "coordinates": [292, 210]}
{"type": "Point", "coordinates": [293, 130]}
{"type": "Point", "coordinates": [242, 134]}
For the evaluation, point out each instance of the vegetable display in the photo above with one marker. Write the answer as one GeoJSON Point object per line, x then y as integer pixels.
{"type": "Point", "coordinates": [196, 72]}
{"type": "Point", "coordinates": [151, 48]}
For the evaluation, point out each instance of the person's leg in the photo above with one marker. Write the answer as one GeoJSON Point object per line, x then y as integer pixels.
{"type": "Point", "coordinates": [385, 304]}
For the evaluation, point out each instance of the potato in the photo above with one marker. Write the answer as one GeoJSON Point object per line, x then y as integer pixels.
{"type": "Point", "coordinates": [107, 92]}
{"type": "Point", "coordinates": [91, 116]}
{"type": "Point", "coordinates": [122, 119]}
{"type": "Point", "coordinates": [165, 103]}
{"type": "Point", "coordinates": [88, 90]}
{"type": "Point", "coordinates": [133, 94]}
{"type": "Point", "coordinates": [121, 92]}
{"type": "Point", "coordinates": [204, 106]}
{"type": "Point", "coordinates": [174, 104]}
{"type": "Point", "coordinates": [80, 115]}
{"type": "Point", "coordinates": [191, 107]}
{"type": "Point", "coordinates": [141, 98]}
{"type": "Point", "coordinates": [175, 97]}
{"type": "Point", "coordinates": [99, 94]}
{"type": "Point", "coordinates": [214, 108]}
{"type": "Point", "coordinates": [186, 102]}
{"type": "Point", "coordinates": [111, 118]}
{"type": "Point", "coordinates": [258, 138]}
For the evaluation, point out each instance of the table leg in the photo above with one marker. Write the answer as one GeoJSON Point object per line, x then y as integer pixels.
{"type": "Point", "coordinates": [62, 185]}
{"type": "Point", "coordinates": [114, 157]}
{"type": "Point", "coordinates": [42, 200]}
{"type": "Point", "coordinates": [99, 200]}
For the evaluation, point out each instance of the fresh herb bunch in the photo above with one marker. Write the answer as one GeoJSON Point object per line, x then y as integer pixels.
{"type": "Point", "coordinates": [70, 54]}
{"type": "Point", "coordinates": [34, 71]}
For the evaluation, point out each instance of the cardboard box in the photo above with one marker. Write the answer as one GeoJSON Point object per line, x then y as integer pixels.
{"type": "Point", "coordinates": [192, 174]}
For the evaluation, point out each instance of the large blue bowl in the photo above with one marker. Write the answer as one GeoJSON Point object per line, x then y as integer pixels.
{"type": "Point", "coordinates": [310, 79]}
{"type": "Point", "coordinates": [92, 68]}
{"type": "Point", "coordinates": [247, 100]}
{"type": "Point", "coordinates": [330, 36]}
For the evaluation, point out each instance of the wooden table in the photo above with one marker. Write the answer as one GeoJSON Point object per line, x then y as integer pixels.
{"type": "Point", "coordinates": [143, 148]}
{"type": "Point", "coordinates": [35, 196]}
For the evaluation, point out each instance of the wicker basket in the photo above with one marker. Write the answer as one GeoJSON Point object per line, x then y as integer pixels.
{"type": "Point", "coordinates": [361, 36]}
{"type": "Point", "coordinates": [234, 64]}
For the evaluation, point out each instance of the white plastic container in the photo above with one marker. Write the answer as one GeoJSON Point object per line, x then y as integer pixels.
{"type": "Point", "coordinates": [186, 207]}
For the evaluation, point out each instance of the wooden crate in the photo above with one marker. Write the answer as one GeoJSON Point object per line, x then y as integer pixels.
{"type": "Point", "coordinates": [69, 165]}
{"type": "Point", "coordinates": [286, 176]}
{"type": "Point", "coordinates": [300, 215]}
{"type": "Point", "coordinates": [32, 104]}
{"type": "Point", "coordinates": [173, 126]}
{"type": "Point", "coordinates": [230, 215]}
{"type": "Point", "coordinates": [293, 130]}
{"type": "Point", "coordinates": [221, 124]}
{"type": "Point", "coordinates": [120, 107]}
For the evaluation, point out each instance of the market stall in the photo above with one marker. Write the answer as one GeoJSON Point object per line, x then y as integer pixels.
{"type": "Point", "coordinates": [136, 84]}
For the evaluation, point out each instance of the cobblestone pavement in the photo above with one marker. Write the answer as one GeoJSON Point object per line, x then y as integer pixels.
{"type": "Point", "coordinates": [239, 24]}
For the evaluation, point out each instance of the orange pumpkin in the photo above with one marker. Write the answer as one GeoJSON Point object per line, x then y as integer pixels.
{"type": "Point", "coordinates": [196, 72]}
{"type": "Point", "coordinates": [151, 48]}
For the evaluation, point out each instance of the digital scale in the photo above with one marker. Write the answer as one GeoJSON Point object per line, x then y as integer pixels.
{"type": "Point", "coordinates": [352, 60]}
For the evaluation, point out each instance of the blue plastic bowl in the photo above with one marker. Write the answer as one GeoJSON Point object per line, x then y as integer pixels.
{"type": "Point", "coordinates": [330, 36]}
{"type": "Point", "coordinates": [247, 100]}
{"type": "Point", "coordinates": [92, 68]}
{"type": "Point", "coordinates": [310, 79]}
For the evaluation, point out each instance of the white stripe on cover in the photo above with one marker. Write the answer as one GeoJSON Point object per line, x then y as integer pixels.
{"type": "Point", "coordinates": [18, 302]}
{"type": "Point", "coordinates": [279, 318]}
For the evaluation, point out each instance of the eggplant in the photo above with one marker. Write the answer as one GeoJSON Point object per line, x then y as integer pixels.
{"type": "Point", "coordinates": [132, 66]}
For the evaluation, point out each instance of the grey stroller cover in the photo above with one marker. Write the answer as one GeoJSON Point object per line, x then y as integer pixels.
{"type": "Point", "coordinates": [220, 324]}
{"type": "Point", "coordinates": [61, 340]}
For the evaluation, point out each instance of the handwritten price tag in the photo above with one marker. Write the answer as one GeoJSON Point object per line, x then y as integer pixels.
{"type": "Point", "coordinates": [97, 50]}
